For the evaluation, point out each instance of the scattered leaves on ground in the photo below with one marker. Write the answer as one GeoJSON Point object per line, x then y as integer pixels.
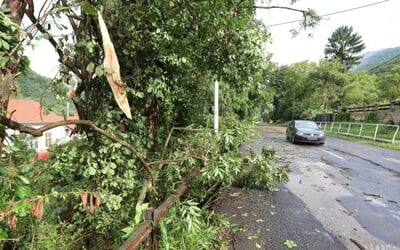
{"type": "Point", "coordinates": [290, 244]}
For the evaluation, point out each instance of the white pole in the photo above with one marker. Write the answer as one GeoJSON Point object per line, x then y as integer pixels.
{"type": "Point", "coordinates": [216, 106]}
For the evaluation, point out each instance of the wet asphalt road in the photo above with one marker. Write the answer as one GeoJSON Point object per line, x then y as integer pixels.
{"type": "Point", "coordinates": [339, 195]}
{"type": "Point", "coordinates": [374, 181]}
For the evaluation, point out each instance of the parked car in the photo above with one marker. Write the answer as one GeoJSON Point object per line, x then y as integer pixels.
{"type": "Point", "coordinates": [304, 131]}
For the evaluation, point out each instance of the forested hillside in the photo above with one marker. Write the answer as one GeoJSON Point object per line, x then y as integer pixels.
{"type": "Point", "coordinates": [385, 66]}
{"type": "Point", "coordinates": [33, 86]}
{"type": "Point", "coordinates": [373, 60]}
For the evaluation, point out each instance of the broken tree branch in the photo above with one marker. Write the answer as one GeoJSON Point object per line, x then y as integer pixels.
{"type": "Point", "coordinates": [280, 7]}
{"type": "Point", "coordinates": [39, 132]}
{"type": "Point", "coordinates": [361, 247]}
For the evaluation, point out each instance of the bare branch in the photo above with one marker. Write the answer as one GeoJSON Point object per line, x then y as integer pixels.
{"type": "Point", "coordinates": [305, 13]}
{"type": "Point", "coordinates": [171, 161]}
{"type": "Point", "coordinates": [280, 7]}
{"type": "Point", "coordinates": [62, 58]}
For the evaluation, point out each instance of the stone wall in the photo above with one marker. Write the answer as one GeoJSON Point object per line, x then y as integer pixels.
{"type": "Point", "coordinates": [384, 116]}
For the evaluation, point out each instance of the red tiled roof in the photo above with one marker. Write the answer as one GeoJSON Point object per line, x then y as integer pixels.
{"type": "Point", "coordinates": [27, 111]}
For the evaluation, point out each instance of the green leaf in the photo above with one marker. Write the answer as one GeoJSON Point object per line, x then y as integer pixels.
{"type": "Point", "coordinates": [24, 179]}
{"type": "Point", "coordinates": [3, 234]}
{"type": "Point", "coordinates": [99, 71]}
{"type": "Point", "coordinates": [22, 209]}
{"type": "Point", "coordinates": [23, 191]}
{"type": "Point", "coordinates": [91, 170]}
{"type": "Point", "coordinates": [128, 231]}
{"type": "Point", "coordinates": [163, 229]}
{"type": "Point", "coordinates": [90, 67]}
{"type": "Point", "coordinates": [290, 244]}
{"type": "Point", "coordinates": [88, 8]}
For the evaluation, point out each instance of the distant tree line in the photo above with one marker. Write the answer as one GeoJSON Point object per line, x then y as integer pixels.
{"type": "Point", "coordinates": [305, 89]}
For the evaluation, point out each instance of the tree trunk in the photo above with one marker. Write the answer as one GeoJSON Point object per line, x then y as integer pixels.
{"type": "Point", "coordinates": [8, 74]}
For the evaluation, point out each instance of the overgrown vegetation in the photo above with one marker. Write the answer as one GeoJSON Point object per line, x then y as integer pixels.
{"type": "Point", "coordinates": [91, 192]}
{"type": "Point", "coordinates": [60, 203]}
{"type": "Point", "coordinates": [394, 146]}
{"type": "Point", "coordinates": [305, 89]}
{"type": "Point", "coordinates": [342, 117]}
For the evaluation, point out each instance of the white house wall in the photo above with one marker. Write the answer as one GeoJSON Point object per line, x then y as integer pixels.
{"type": "Point", "coordinates": [57, 135]}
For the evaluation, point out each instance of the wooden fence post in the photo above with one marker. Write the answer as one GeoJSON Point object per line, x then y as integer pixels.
{"type": "Point", "coordinates": [144, 233]}
{"type": "Point", "coordinates": [364, 112]}
{"type": "Point", "coordinates": [151, 241]}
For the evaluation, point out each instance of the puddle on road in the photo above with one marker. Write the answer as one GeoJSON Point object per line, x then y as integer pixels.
{"type": "Point", "coordinates": [377, 217]}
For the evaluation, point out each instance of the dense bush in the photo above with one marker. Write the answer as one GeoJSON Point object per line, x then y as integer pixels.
{"type": "Point", "coordinates": [91, 198]}
{"type": "Point", "coordinates": [342, 117]}
{"type": "Point", "coordinates": [372, 117]}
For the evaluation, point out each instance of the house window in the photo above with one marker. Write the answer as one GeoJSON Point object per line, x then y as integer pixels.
{"type": "Point", "coordinates": [32, 142]}
{"type": "Point", "coordinates": [66, 132]}
{"type": "Point", "coordinates": [47, 137]}
{"type": "Point", "coordinates": [35, 143]}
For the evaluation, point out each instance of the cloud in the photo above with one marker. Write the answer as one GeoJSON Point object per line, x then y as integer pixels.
{"type": "Point", "coordinates": [377, 24]}
{"type": "Point", "coordinates": [44, 59]}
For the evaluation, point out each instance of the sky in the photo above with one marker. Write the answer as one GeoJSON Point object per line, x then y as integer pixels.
{"type": "Point", "coordinates": [378, 25]}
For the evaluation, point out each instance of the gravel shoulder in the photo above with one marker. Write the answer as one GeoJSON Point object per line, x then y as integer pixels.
{"type": "Point", "coordinates": [307, 212]}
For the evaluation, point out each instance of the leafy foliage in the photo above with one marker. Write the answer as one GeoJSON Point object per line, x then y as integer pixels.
{"type": "Point", "coordinates": [92, 192]}
{"type": "Point", "coordinates": [260, 172]}
{"type": "Point", "coordinates": [304, 89]}
{"type": "Point", "coordinates": [95, 193]}
{"type": "Point", "coordinates": [360, 88]}
{"type": "Point", "coordinates": [11, 51]}
{"type": "Point", "coordinates": [187, 225]}
{"type": "Point", "coordinates": [342, 117]}
{"type": "Point", "coordinates": [372, 117]}
{"type": "Point", "coordinates": [388, 84]}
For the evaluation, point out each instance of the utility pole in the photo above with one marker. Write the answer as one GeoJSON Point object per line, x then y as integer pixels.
{"type": "Point", "coordinates": [216, 106]}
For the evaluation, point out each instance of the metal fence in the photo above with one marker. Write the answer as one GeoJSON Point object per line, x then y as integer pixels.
{"type": "Point", "coordinates": [376, 132]}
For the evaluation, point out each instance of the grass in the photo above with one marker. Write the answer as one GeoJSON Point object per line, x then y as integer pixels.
{"type": "Point", "coordinates": [395, 146]}
{"type": "Point", "coordinates": [365, 130]}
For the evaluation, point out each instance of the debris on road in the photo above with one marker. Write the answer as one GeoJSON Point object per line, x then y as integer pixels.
{"type": "Point", "coordinates": [374, 195]}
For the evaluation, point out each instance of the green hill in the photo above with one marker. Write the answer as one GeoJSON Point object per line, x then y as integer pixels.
{"type": "Point", "coordinates": [32, 86]}
{"type": "Point", "coordinates": [378, 62]}
{"type": "Point", "coordinates": [385, 66]}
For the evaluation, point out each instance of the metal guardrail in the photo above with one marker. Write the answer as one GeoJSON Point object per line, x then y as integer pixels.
{"type": "Point", "coordinates": [376, 132]}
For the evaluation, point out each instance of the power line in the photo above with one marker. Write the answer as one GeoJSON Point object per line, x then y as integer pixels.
{"type": "Point", "coordinates": [331, 14]}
